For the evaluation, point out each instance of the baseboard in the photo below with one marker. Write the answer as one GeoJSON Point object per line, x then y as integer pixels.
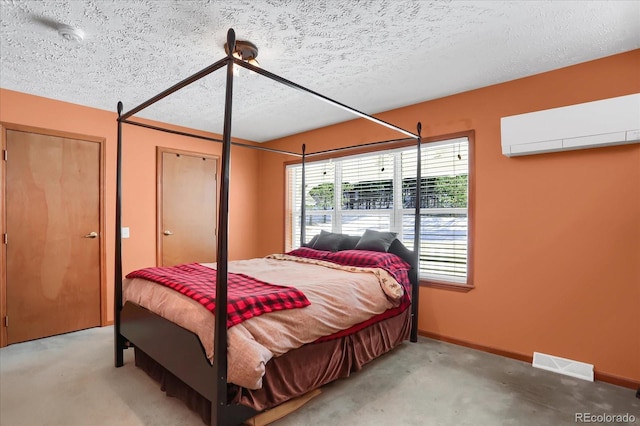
{"type": "Point", "coordinates": [507, 354]}
{"type": "Point", "coordinates": [616, 380]}
{"type": "Point", "coordinates": [603, 377]}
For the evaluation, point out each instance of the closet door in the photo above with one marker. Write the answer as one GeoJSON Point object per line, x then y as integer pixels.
{"type": "Point", "coordinates": [187, 194]}
{"type": "Point", "coordinates": [53, 235]}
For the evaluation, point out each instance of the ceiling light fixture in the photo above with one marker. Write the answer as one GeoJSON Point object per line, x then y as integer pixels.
{"type": "Point", "coordinates": [244, 50]}
{"type": "Point", "coordinates": [70, 33]}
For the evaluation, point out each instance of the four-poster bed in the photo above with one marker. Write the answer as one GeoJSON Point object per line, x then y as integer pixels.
{"type": "Point", "coordinates": [173, 354]}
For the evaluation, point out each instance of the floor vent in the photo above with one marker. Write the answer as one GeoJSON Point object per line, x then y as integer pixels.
{"type": "Point", "coordinates": [564, 366]}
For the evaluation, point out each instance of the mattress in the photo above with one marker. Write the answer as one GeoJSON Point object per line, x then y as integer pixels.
{"type": "Point", "coordinates": [341, 296]}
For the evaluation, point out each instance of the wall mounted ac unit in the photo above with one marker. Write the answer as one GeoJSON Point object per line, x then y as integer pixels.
{"type": "Point", "coordinates": [607, 122]}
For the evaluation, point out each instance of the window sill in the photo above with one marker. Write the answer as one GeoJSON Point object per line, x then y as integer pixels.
{"type": "Point", "coordinates": [461, 288]}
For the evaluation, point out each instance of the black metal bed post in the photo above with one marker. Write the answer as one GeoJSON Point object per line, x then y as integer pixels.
{"type": "Point", "coordinates": [415, 288]}
{"type": "Point", "coordinates": [219, 401]}
{"type": "Point", "coordinates": [303, 208]}
{"type": "Point", "coordinates": [117, 283]}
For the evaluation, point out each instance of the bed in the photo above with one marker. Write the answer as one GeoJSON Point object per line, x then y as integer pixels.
{"type": "Point", "coordinates": [230, 371]}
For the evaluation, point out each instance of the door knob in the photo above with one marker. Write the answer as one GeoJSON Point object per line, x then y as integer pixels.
{"type": "Point", "coordinates": [167, 232]}
{"type": "Point", "coordinates": [91, 235]}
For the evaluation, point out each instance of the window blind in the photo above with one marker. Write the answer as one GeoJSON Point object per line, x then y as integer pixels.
{"type": "Point", "coordinates": [319, 199]}
{"type": "Point", "coordinates": [443, 208]}
{"type": "Point", "coordinates": [377, 191]}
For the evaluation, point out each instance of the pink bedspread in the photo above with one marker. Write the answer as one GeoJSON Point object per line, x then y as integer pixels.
{"type": "Point", "coordinates": [341, 297]}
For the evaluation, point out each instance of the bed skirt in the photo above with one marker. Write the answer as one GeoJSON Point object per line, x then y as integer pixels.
{"type": "Point", "coordinates": [296, 372]}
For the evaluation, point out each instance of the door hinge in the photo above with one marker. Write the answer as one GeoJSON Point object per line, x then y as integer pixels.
{"type": "Point", "coordinates": [6, 321]}
{"type": "Point", "coordinates": [4, 238]}
{"type": "Point", "coordinates": [4, 154]}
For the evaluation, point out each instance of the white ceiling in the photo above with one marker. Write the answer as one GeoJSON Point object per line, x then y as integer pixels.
{"type": "Point", "coordinates": [374, 55]}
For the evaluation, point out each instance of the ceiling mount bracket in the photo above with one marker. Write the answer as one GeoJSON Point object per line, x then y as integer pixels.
{"type": "Point", "coordinates": [70, 33]}
{"type": "Point", "coordinates": [244, 50]}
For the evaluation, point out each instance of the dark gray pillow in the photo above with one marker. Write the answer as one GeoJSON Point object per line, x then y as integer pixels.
{"type": "Point", "coordinates": [349, 243]}
{"type": "Point", "coordinates": [376, 240]}
{"type": "Point", "coordinates": [403, 252]}
{"type": "Point", "coordinates": [312, 242]}
{"type": "Point", "coordinates": [329, 241]}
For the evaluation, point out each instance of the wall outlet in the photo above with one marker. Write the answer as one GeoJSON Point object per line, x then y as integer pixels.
{"type": "Point", "coordinates": [125, 232]}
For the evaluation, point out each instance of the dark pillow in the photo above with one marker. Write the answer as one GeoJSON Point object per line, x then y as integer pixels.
{"type": "Point", "coordinates": [312, 242]}
{"type": "Point", "coordinates": [376, 240]}
{"type": "Point", "coordinates": [349, 243]}
{"type": "Point", "coordinates": [403, 252]}
{"type": "Point", "coordinates": [329, 241]}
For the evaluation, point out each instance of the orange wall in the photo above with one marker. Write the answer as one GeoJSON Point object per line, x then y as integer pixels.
{"type": "Point", "coordinates": [139, 176]}
{"type": "Point", "coordinates": [557, 236]}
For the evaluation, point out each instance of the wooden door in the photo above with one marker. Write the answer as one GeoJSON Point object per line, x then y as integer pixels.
{"type": "Point", "coordinates": [53, 235]}
{"type": "Point", "coordinates": [187, 186]}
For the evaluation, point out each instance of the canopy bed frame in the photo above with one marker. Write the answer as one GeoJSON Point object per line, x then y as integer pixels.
{"type": "Point", "coordinates": [179, 350]}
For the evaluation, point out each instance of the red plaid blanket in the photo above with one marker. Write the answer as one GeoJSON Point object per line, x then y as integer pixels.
{"type": "Point", "coordinates": [363, 259]}
{"type": "Point", "coordinates": [246, 296]}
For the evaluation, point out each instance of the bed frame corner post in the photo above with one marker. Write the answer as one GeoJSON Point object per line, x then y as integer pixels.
{"type": "Point", "coordinates": [303, 208]}
{"type": "Point", "coordinates": [415, 288]}
{"type": "Point", "coordinates": [219, 401]}
{"type": "Point", "coordinates": [119, 343]}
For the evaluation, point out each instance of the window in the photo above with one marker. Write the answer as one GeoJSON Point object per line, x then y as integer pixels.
{"type": "Point", "coordinates": [375, 190]}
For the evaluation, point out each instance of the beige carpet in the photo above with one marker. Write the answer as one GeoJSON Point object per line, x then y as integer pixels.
{"type": "Point", "coordinates": [69, 380]}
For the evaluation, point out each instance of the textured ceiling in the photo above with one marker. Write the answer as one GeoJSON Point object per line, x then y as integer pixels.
{"type": "Point", "coordinates": [373, 55]}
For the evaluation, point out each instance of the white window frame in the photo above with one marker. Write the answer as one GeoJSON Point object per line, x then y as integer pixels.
{"type": "Point", "coordinates": [395, 214]}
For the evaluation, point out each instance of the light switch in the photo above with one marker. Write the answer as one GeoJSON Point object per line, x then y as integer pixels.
{"type": "Point", "coordinates": [125, 232]}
